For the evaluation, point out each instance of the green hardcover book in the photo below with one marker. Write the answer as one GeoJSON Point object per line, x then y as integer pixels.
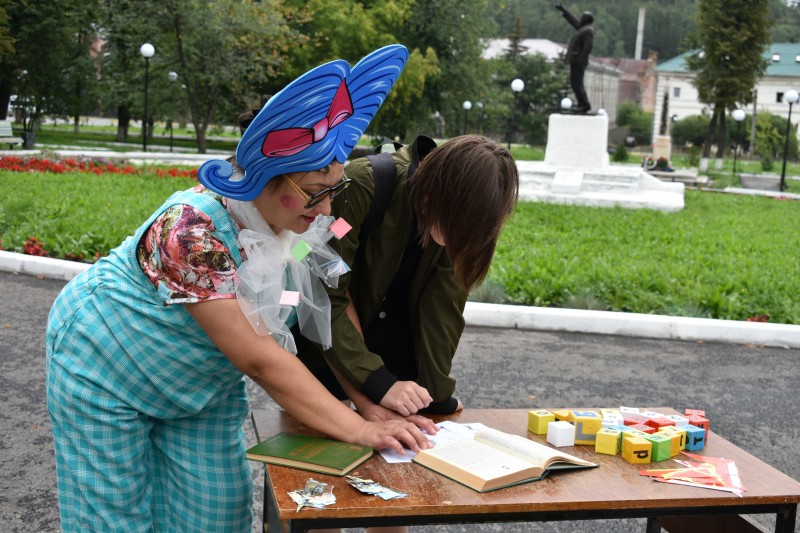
{"type": "Point", "coordinates": [310, 453]}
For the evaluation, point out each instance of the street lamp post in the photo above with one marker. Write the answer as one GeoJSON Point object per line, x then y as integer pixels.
{"type": "Point", "coordinates": [791, 98]}
{"type": "Point", "coordinates": [480, 117]}
{"type": "Point", "coordinates": [738, 116]}
{"type": "Point", "coordinates": [516, 86]}
{"type": "Point", "coordinates": [172, 76]}
{"type": "Point", "coordinates": [467, 105]}
{"type": "Point", "coordinates": [147, 50]}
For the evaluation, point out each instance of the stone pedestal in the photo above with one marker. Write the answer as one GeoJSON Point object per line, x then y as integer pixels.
{"type": "Point", "coordinates": [576, 170]}
{"type": "Point", "coordinates": [662, 147]}
{"type": "Point", "coordinates": [579, 141]}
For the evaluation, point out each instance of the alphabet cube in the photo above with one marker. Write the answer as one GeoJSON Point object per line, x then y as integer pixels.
{"type": "Point", "coordinates": [612, 420]}
{"type": "Point", "coordinates": [661, 447]}
{"type": "Point", "coordinates": [698, 412]}
{"type": "Point", "coordinates": [659, 422]}
{"type": "Point", "coordinates": [608, 441]}
{"type": "Point", "coordinates": [628, 410]}
{"type": "Point", "coordinates": [636, 449]}
{"type": "Point", "coordinates": [695, 438]}
{"type": "Point", "coordinates": [680, 431]}
{"type": "Point", "coordinates": [643, 428]}
{"type": "Point", "coordinates": [675, 439]}
{"type": "Point", "coordinates": [678, 420]}
{"type": "Point", "coordinates": [698, 421]}
{"type": "Point", "coordinates": [587, 424]}
{"type": "Point", "coordinates": [538, 420]}
{"type": "Point", "coordinates": [650, 414]}
{"type": "Point", "coordinates": [631, 419]}
{"type": "Point", "coordinates": [563, 414]}
{"type": "Point", "coordinates": [561, 433]}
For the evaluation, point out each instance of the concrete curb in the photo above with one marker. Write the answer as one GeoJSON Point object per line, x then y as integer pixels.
{"type": "Point", "coordinates": [533, 318]}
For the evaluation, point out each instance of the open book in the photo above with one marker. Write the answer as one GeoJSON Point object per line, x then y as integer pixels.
{"type": "Point", "coordinates": [493, 460]}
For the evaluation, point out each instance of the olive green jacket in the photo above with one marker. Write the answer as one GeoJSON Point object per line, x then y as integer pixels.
{"type": "Point", "coordinates": [436, 298]}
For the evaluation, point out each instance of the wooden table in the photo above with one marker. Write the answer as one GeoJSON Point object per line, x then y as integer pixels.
{"type": "Point", "coordinates": [615, 490]}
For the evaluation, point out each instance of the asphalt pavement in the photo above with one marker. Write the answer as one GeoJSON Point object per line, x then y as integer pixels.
{"type": "Point", "coordinates": [749, 392]}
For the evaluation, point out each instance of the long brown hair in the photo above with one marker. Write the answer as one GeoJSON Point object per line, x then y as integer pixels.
{"type": "Point", "coordinates": [466, 188]}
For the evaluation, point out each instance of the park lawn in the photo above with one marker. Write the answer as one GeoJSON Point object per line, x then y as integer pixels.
{"type": "Point", "coordinates": [722, 256]}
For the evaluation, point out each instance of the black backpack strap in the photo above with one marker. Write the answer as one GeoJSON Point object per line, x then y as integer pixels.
{"type": "Point", "coordinates": [384, 173]}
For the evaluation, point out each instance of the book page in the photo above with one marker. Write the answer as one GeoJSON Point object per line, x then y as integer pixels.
{"type": "Point", "coordinates": [538, 454]}
{"type": "Point", "coordinates": [479, 459]}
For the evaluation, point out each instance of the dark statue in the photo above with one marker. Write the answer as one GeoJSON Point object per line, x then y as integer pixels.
{"type": "Point", "coordinates": [578, 50]}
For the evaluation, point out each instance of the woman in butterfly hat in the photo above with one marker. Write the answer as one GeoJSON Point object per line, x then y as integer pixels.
{"type": "Point", "coordinates": [147, 350]}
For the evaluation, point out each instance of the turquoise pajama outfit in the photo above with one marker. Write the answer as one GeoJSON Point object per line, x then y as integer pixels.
{"type": "Point", "coordinates": [147, 413]}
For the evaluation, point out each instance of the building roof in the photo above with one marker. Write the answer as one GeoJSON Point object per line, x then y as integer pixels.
{"type": "Point", "coordinates": [784, 61]}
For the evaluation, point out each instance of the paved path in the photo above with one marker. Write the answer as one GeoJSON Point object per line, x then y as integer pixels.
{"type": "Point", "coordinates": [749, 392]}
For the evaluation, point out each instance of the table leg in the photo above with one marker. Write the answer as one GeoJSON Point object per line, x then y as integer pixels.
{"type": "Point", "coordinates": [785, 519]}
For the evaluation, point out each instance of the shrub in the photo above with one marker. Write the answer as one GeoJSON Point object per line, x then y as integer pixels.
{"type": "Point", "coordinates": [620, 153]}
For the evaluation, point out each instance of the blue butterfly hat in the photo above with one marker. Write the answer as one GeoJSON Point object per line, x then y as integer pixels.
{"type": "Point", "coordinates": [315, 119]}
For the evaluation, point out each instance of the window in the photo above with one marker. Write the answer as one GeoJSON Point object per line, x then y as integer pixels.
{"type": "Point", "coordinates": [778, 98]}
{"type": "Point", "coordinates": [776, 58]}
{"type": "Point", "coordinates": [676, 92]}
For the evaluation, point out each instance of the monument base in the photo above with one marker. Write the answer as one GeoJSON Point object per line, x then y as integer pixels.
{"type": "Point", "coordinates": [576, 170]}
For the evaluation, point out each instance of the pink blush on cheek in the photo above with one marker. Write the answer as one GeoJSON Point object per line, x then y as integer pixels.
{"type": "Point", "coordinates": [291, 202]}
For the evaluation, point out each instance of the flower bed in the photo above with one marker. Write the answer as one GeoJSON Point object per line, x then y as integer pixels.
{"type": "Point", "coordinates": [52, 164]}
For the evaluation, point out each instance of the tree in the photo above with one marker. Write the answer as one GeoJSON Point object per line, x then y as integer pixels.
{"type": "Point", "coordinates": [42, 68]}
{"type": "Point", "coordinates": [730, 41]}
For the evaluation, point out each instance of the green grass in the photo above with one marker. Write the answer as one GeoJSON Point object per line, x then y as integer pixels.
{"type": "Point", "coordinates": [723, 256]}
{"type": "Point", "coordinates": [81, 214]}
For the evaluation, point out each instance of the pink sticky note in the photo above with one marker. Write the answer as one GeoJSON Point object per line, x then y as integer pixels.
{"type": "Point", "coordinates": [340, 228]}
{"type": "Point", "coordinates": [290, 298]}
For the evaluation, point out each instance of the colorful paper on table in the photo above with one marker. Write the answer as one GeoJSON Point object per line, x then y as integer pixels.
{"type": "Point", "coordinates": [712, 473]}
{"type": "Point", "coordinates": [340, 228]}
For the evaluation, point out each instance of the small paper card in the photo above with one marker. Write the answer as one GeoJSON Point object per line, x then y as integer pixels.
{"type": "Point", "coordinates": [340, 228]}
{"type": "Point", "coordinates": [290, 298]}
{"type": "Point", "coordinates": [301, 250]}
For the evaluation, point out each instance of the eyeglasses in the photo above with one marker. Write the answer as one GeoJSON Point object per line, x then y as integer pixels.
{"type": "Point", "coordinates": [313, 200]}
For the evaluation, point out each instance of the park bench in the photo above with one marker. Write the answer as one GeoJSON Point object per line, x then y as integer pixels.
{"type": "Point", "coordinates": [7, 135]}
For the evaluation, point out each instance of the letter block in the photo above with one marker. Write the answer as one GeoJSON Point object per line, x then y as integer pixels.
{"type": "Point", "coordinates": [695, 438]}
{"type": "Point", "coordinates": [538, 420]}
{"type": "Point", "coordinates": [698, 412]}
{"type": "Point", "coordinates": [675, 440]}
{"type": "Point", "coordinates": [609, 441]}
{"type": "Point", "coordinates": [605, 413]}
{"type": "Point", "coordinates": [612, 420]}
{"type": "Point", "coordinates": [587, 424]}
{"type": "Point", "coordinates": [561, 433]}
{"type": "Point", "coordinates": [636, 449]}
{"type": "Point", "coordinates": [562, 414]}
{"type": "Point", "coordinates": [681, 432]}
{"type": "Point", "coordinates": [650, 414]}
{"type": "Point", "coordinates": [698, 421]}
{"type": "Point", "coordinates": [678, 420]}
{"type": "Point", "coordinates": [627, 410]}
{"type": "Point", "coordinates": [643, 428]}
{"type": "Point", "coordinates": [630, 419]}
{"type": "Point", "coordinates": [661, 447]}
{"type": "Point", "coordinates": [659, 422]}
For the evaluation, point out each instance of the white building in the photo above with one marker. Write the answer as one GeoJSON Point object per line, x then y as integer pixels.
{"type": "Point", "coordinates": [601, 81]}
{"type": "Point", "coordinates": [782, 74]}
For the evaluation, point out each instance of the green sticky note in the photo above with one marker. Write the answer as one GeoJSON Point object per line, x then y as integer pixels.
{"type": "Point", "coordinates": [301, 250]}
